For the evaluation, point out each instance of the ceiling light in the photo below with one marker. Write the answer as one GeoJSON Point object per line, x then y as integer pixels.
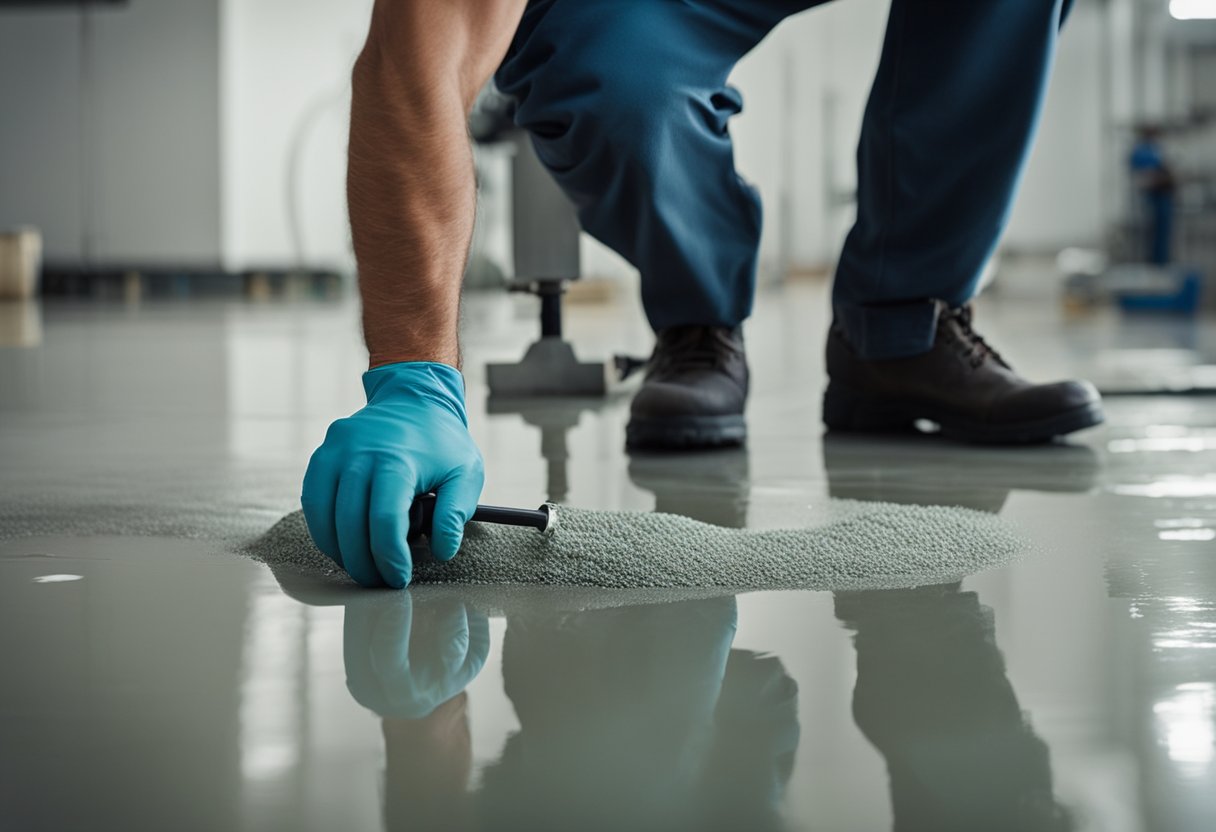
{"type": "Point", "coordinates": [1193, 9]}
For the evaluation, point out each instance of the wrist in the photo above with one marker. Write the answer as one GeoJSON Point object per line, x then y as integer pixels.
{"type": "Point", "coordinates": [436, 380]}
{"type": "Point", "coordinates": [414, 328]}
{"type": "Point", "coordinates": [381, 358]}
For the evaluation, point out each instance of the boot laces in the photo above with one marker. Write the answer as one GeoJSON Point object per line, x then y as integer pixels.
{"type": "Point", "coordinates": [971, 344]}
{"type": "Point", "coordinates": [692, 347]}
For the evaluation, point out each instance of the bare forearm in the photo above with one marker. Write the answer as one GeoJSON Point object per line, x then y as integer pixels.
{"type": "Point", "coordinates": [410, 189]}
{"type": "Point", "coordinates": [410, 181]}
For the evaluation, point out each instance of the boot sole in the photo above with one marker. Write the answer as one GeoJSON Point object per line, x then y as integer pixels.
{"type": "Point", "coordinates": [845, 410]}
{"type": "Point", "coordinates": [686, 432]}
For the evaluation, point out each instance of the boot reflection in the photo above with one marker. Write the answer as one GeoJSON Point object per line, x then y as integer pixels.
{"type": "Point", "coordinates": [933, 697]}
{"type": "Point", "coordinates": [710, 486]}
{"type": "Point", "coordinates": [925, 470]}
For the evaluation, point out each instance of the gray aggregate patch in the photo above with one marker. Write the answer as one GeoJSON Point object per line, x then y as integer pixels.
{"type": "Point", "coordinates": [864, 545]}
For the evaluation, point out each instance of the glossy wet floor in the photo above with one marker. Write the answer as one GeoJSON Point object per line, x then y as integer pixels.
{"type": "Point", "coordinates": [152, 680]}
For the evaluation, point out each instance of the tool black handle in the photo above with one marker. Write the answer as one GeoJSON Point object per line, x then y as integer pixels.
{"type": "Point", "coordinates": [422, 513]}
{"type": "Point", "coordinates": [536, 518]}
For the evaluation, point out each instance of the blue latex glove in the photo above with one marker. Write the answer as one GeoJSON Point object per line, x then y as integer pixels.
{"type": "Point", "coordinates": [411, 438]}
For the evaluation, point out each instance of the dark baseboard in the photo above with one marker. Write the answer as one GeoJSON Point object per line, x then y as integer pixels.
{"type": "Point", "coordinates": [188, 281]}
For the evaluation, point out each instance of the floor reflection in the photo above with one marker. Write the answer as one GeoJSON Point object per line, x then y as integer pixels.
{"type": "Point", "coordinates": [554, 418]}
{"type": "Point", "coordinates": [646, 717]}
{"type": "Point", "coordinates": [630, 718]}
{"type": "Point", "coordinates": [933, 697]}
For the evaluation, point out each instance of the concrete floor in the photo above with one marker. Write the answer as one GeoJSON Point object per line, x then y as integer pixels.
{"type": "Point", "coordinates": [153, 681]}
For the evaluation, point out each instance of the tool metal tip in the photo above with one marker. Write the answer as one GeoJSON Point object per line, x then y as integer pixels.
{"type": "Point", "coordinates": [551, 522]}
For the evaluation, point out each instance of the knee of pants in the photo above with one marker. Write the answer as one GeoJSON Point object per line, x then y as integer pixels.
{"type": "Point", "coordinates": [622, 100]}
{"type": "Point", "coordinates": [624, 116]}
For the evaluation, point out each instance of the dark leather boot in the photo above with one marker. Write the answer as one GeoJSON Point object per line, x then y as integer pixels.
{"type": "Point", "coordinates": [961, 384]}
{"type": "Point", "coordinates": [694, 392]}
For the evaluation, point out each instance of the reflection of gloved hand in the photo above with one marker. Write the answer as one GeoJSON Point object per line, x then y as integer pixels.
{"type": "Point", "coordinates": [405, 658]}
{"type": "Point", "coordinates": [411, 438]}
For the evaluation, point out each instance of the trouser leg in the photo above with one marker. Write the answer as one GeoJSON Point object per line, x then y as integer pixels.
{"type": "Point", "coordinates": [628, 106]}
{"type": "Point", "coordinates": [946, 132]}
{"type": "Point", "coordinates": [1161, 217]}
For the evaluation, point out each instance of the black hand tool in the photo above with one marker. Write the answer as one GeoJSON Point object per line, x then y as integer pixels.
{"type": "Point", "coordinates": [543, 519]}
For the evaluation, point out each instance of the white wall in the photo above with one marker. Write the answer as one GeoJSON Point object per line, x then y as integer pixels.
{"type": "Point", "coordinates": [285, 83]}
{"type": "Point", "coordinates": [141, 166]}
{"type": "Point", "coordinates": [1060, 202]}
{"type": "Point", "coordinates": [107, 141]}
{"type": "Point", "coordinates": [40, 147]}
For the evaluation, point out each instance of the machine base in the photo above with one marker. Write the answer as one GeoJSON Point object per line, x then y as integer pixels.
{"type": "Point", "coordinates": [548, 368]}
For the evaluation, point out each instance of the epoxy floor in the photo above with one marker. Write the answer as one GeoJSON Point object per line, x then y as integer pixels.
{"type": "Point", "coordinates": [152, 681]}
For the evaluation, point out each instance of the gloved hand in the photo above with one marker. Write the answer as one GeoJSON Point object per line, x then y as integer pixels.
{"type": "Point", "coordinates": [411, 438]}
